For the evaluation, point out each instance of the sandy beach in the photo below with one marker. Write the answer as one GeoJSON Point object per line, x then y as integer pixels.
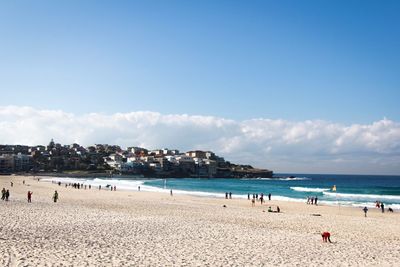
{"type": "Point", "coordinates": [124, 228]}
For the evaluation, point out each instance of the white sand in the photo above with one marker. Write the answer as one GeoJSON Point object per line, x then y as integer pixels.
{"type": "Point", "coordinates": [104, 228]}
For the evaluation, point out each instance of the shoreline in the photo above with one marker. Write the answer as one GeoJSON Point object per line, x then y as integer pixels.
{"type": "Point", "coordinates": [370, 205]}
{"type": "Point", "coordinates": [124, 228]}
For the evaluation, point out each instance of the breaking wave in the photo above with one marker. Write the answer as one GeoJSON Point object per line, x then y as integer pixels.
{"type": "Point", "coordinates": [309, 189]}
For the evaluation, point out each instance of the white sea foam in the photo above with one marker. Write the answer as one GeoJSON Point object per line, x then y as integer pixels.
{"type": "Point", "coordinates": [294, 179]}
{"type": "Point", "coordinates": [309, 189]}
{"type": "Point", "coordinates": [280, 179]}
{"type": "Point", "coordinates": [362, 196]}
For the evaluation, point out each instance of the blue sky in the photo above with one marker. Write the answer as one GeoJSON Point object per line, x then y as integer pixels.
{"type": "Point", "coordinates": [294, 60]}
{"type": "Point", "coordinates": [294, 86]}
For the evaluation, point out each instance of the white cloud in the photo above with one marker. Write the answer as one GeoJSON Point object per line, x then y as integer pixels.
{"type": "Point", "coordinates": [304, 146]}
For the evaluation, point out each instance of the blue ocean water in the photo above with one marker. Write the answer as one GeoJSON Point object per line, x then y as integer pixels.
{"type": "Point", "coordinates": [351, 190]}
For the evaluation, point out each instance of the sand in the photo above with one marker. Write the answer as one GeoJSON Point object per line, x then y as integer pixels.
{"type": "Point", "coordinates": [122, 228]}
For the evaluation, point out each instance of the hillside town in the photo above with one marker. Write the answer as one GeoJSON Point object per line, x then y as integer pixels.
{"type": "Point", "coordinates": [113, 160]}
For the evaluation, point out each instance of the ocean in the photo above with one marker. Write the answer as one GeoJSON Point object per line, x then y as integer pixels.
{"type": "Point", "coordinates": [351, 190]}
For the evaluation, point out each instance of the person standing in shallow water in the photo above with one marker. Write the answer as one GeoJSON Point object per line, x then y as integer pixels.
{"type": "Point", "coordinates": [55, 196]}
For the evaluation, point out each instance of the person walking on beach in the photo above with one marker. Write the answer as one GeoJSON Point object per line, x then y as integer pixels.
{"type": "Point", "coordinates": [269, 196]}
{"type": "Point", "coordinates": [230, 195]}
{"type": "Point", "coordinates": [30, 196]}
{"type": "Point", "coordinates": [7, 195]}
{"type": "Point", "coordinates": [3, 194]}
{"type": "Point", "coordinates": [315, 200]}
{"type": "Point", "coordinates": [365, 209]}
{"type": "Point", "coordinates": [383, 208]}
{"type": "Point", "coordinates": [55, 196]}
{"type": "Point", "coordinates": [253, 202]}
{"type": "Point", "coordinates": [226, 195]}
{"type": "Point", "coordinates": [138, 188]}
{"type": "Point", "coordinates": [170, 192]}
{"type": "Point", "coordinates": [248, 196]}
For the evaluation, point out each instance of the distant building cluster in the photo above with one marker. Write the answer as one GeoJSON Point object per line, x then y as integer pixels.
{"type": "Point", "coordinates": [111, 159]}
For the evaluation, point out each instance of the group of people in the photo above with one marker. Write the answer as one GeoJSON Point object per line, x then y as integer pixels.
{"type": "Point", "coordinates": [228, 195]}
{"type": "Point", "coordinates": [277, 209]}
{"type": "Point", "coordinates": [312, 200]}
{"type": "Point", "coordinates": [84, 186]}
{"type": "Point", "coordinates": [5, 194]}
{"type": "Point", "coordinates": [257, 197]}
{"type": "Point", "coordinates": [381, 206]}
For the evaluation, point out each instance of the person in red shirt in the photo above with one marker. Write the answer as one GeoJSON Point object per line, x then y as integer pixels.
{"type": "Point", "coordinates": [326, 236]}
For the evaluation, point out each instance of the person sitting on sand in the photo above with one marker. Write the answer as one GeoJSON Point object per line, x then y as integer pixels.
{"type": "Point", "coordinates": [269, 209]}
{"type": "Point", "coordinates": [55, 196]}
{"type": "Point", "coordinates": [326, 236]}
{"type": "Point", "coordinates": [390, 209]}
